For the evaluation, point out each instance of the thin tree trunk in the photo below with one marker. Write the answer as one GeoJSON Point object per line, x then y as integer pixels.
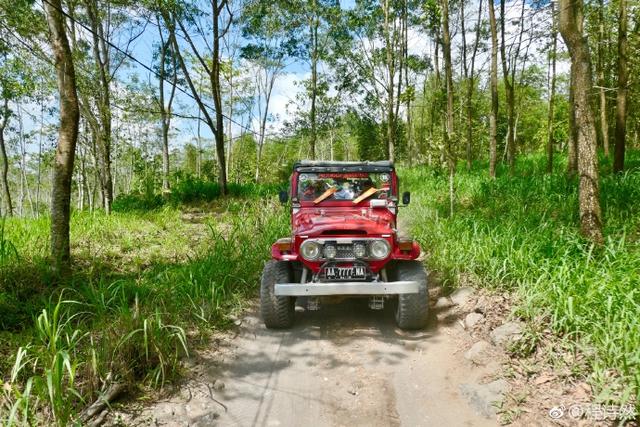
{"type": "Point", "coordinates": [509, 83]}
{"type": "Point", "coordinates": [552, 90]}
{"type": "Point", "coordinates": [39, 172]}
{"type": "Point", "coordinates": [604, 122]}
{"type": "Point", "coordinates": [390, 64]}
{"type": "Point", "coordinates": [103, 102]}
{"type": "Point", "coordinates": [410, 95]}
{"type": "Point", "coordinates": [164, 114]}
{"type": "Point", "coordinates": [313, 31]}
{"type": "Point", "coordinates": [621, 101]}
{"type": "Point", "coordinates": [5, 159]}
{"type": "Point", "coordinates": [449, 129]}
{"type": "Point", "coordinates": [471, 86]}
{"type": "Point", "coordinates": [493, 118]}
{"type": "Point", "coordinates": [571, 27]}
{"type": "Point", "coordinates": [67, 136]}
{"type": "Point", "coordinates": [572, 146]}
{"type": "Point", "coordinates": [217, 98]}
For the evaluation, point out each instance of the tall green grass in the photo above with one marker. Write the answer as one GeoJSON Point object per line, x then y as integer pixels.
{"type": "Point", "coordinates": [147, 287]}
{"type": "Point", "coordinates": [521, 234]}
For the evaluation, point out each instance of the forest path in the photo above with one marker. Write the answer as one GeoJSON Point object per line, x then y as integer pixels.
{"type": "Point", "coordinates": [344, 365]}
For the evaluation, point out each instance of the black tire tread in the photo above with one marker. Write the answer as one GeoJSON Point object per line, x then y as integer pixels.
{"type": "Point", "coordinates": [277, 312]}
{"type": "Point", "coordinates": [412, 311]}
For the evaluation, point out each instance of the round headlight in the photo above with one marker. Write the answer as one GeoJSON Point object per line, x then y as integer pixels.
{"type": "Point", "coordinates": [359, 250]}
{"type": "Point", "coordinates": [379, 249]}
{"type": "Point", "coordinates": [310, 250]}
{"type": "Point", "coordinates": [330, 251]}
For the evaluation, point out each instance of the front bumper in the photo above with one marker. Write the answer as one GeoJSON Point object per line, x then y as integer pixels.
{"type": "Point", "coordinates": [346, 288]}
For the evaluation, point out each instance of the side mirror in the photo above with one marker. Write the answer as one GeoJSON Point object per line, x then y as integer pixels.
{"type": "Point", "coordinates": [283, 196]}
{"type": "Point", "coordinates": [406, 198]}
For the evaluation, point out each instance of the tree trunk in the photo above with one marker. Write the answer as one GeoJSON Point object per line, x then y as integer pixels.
{"type": "Point", "coordinates": [217, 98]}
{"type": "Point", "coordinates": [410, 95]}
{"type": "Point", "coordinates": [571, 28]}
{"type": "Point", "coordinates": [268, 88]}
{"type": "Point", "coordinates": [5, 159]}
{"type": "Point", "coordinates": [67, 136]}
{"type": "Point", "coordinates": [604, 122]}
{"type": "Point", "coordinates": [390, 64]}
{"type": "Point", "coordinates": [509, 83]}
{"type": "Point", "coordinates": [313, 31]}
{"type": "Point", "coordinates": [449, 129]}
{"type": "Point", "coordinates": [165, 107]}
{"type": "Point", "coordinates": [572, 145]}
{"type": "Point", "coordinates": [552, 91]}
{"type": "Point", "coordinates": [621, 101]}
{"type": "Point", "coordinates": [493, 118]}
{"type": "Point", "coordinates": [103, 102]}
{"type": "Point", "coordinates": [471, 85]}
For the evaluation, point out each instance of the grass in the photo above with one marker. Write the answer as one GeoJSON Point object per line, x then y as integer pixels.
{"type": "Point", "coordinates": [520, 234]}
{"type": "Point", "coordinates": [153, 279]}
{"type": "Point", "coordinates": [147, 288]}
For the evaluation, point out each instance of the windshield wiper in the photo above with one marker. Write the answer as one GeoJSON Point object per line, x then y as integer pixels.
{"type": "Point", "coordinates": [324, 195]}
{"type": "Point", "coordinates": [370, 192]}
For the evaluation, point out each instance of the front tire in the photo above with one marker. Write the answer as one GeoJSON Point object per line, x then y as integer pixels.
{"type": "Point", "coordinates": [412, 310]}
{"type": "Point", "coordinates": [277, 312]}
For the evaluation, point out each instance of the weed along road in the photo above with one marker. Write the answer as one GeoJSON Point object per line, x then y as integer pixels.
{"type": "Point", "coordinates": [342, 366]}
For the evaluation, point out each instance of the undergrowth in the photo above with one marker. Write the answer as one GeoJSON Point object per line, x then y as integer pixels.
{"type": "Point", "coordinates": [521, 234]}
{"type": "Point", "coordinates": [147, 288]}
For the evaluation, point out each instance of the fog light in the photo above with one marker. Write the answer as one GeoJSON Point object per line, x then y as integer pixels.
{"type": "Point", "coordinates": [359, 250]}
{"type": "Point", "coordinates": [330, 251]}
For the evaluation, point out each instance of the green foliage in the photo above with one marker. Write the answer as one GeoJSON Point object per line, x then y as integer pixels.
{"type": "Point", "coordinates": [124, 315]}
{"type": "Point", "coordinates": [521, 234]}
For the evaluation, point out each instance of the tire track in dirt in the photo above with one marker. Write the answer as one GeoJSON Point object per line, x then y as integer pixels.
{"type": "Point", "coordinates": [344, 365]}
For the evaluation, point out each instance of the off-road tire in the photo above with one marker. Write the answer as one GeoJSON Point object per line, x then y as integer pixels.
{"type": "Point", "coordinates": [277, 312]}
{"type": "Point", "coordinates": [412, 310]}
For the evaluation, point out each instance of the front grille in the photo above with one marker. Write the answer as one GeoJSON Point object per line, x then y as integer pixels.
{"type": "Point", "coordinates": [345, 251]}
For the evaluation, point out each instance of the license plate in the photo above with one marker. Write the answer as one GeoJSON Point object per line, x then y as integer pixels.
{"type": "Point", "coordinates": [345, 273]}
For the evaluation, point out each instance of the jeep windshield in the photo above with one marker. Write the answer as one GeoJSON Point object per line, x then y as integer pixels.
{"type": "Point", "coordinates": [343, 186]}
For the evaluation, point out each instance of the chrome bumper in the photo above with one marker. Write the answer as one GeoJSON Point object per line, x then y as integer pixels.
{"type": "Point", "coordinates": [346, 288]}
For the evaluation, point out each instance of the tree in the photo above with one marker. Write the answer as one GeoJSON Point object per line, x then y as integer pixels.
{"type": "Point", "coordinates": [4, 112]}
{"type": "Point", "coordinates": [493, 118]}
{"type": "Point", "coordinates": [178, 15]}
{"type": "Point", "coordinates": [16, 83]}
{"type": "Point", "coordinates": [552, 89]}
{"type": "Point", "coordinates": [509, 66]}
{"type": "Point", "coordinates": [604, 123]}
{"type": "Point", "coordinates": [469, 75]}
{"type": "Point", "coordinates": [449, 134]}
{"type": "Point", "coordinates": [67, 135]}
{"type": "Point", "coordinates": [271, 28]}
{"type": "Point", "coordinates": [571, 25]}
{"type": "Point", "coordinates": [371, 65]}
{"type": "Point", "coordinates": [167, 71]}
{"type": "Point", "coordinates": [621, 99]}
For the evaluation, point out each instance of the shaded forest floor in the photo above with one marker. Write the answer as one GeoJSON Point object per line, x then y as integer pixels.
{"type": "Point", "coordinates": [152, 281]}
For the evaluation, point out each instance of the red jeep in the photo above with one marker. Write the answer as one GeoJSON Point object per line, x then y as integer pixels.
{"type": "Point", "coordinates": [345, 242]}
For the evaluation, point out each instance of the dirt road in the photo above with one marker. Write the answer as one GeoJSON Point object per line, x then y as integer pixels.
{"type": "Point", "coordinates": [344, 365]}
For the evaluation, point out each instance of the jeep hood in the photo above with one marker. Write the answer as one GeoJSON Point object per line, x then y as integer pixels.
{"type": "Point", "coordinates": [315, 222]}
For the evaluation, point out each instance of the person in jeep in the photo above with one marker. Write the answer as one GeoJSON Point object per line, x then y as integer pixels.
{"type": "Point", "coordinates": [344, 242]}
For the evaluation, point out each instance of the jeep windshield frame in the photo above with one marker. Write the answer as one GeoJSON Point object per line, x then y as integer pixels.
{"type": "Point", "coordinates": [341, 183]}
